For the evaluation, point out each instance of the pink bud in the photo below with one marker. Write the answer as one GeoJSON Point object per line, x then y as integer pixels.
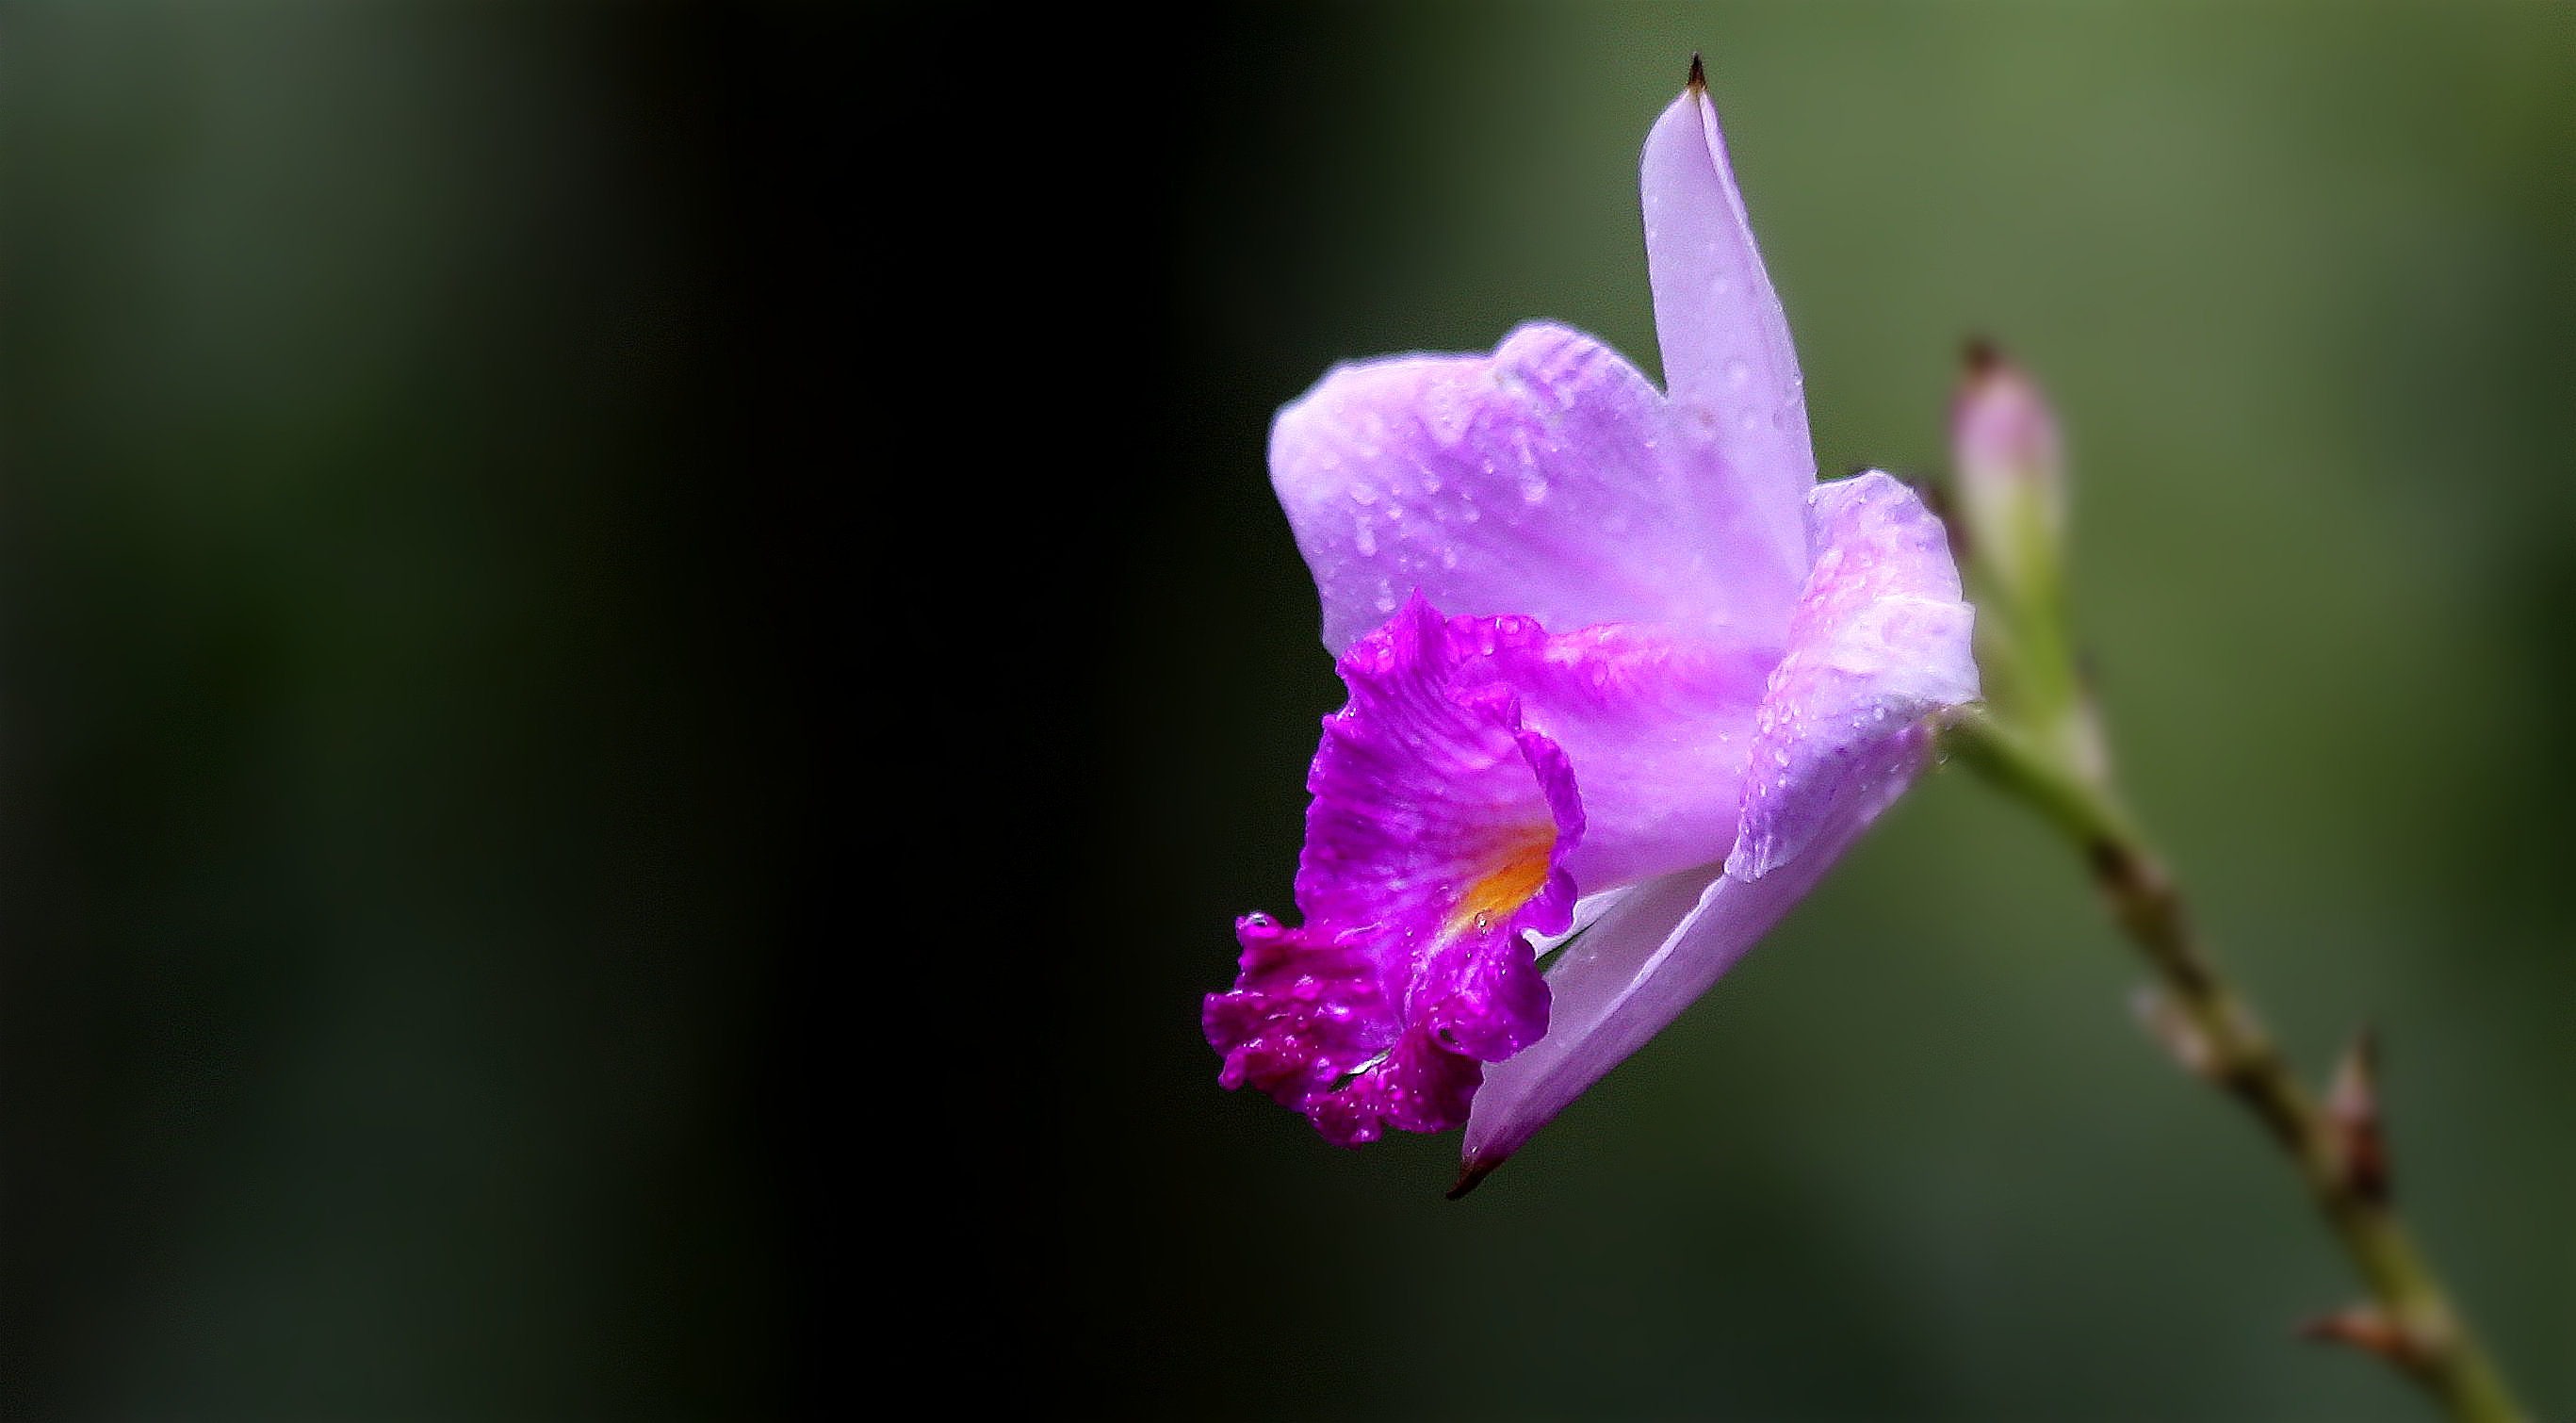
{"type": "Point", "coordinates": [2011, 472]}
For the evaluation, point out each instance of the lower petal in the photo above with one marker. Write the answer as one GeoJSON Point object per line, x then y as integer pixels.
{"type": "Point", "coordinates": [1879, 644]}
{"type": "Point", "coordinates": [1634, 971]}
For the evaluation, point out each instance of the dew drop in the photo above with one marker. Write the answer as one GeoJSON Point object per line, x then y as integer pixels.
{"type": "Point", "coordinates": [1448, 558]}
{"type": "Point", "coordinates": [1738, 374]}
{"type": "Point", "coordinates": [1364, 493]}
{"type": "Point", "coordinates": [1366, 540]}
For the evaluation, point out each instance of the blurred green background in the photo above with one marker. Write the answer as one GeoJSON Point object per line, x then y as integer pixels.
{"type": "Point", "coordinates": [447, 453]}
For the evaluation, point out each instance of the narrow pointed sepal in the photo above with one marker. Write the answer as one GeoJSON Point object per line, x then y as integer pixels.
{"type": "Point", "coordinates": [1728, 358]}
{"type": "Point", "coordinates": [2368, 1328]}
{"type": "Point", "coordinates": [2352, 1110]}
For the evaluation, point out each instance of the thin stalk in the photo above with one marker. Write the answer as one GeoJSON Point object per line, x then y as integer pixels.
{"type": "Point", "coordinates": [2414, 1325]}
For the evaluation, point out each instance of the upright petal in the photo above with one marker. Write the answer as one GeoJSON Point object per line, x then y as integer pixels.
{"type": "Point", "coordinates": [1548, 479]}
{"type": "Point", "coordinates": [1728, 359]}
{"type": "Point", "coordinates": [1879, 644]}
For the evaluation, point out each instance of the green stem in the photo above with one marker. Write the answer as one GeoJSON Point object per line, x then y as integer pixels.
{"type": "Point", "coordinates": [2425, 1335]}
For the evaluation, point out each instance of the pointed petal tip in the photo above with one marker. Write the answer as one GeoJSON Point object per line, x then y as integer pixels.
{"type": "Point", "coordinates": [1472, 1173]}
{"type": "Point", "coordinates": [2352, 1114]}
{"type": "Point", "coordinates": [2368, 1328]}
{"type": "Point", "coordinates": [1698, 79]}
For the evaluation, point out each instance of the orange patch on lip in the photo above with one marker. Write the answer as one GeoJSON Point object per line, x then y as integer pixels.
{"type": "Point", "coordinates": [1518, 870]}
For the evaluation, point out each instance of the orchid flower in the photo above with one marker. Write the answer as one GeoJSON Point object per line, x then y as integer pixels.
{"type": "Point", "coordinates": [1624, 678]}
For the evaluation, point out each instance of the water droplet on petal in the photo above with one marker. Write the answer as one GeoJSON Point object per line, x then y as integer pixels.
{"type": "Point", "coordinates": [1738, 374]}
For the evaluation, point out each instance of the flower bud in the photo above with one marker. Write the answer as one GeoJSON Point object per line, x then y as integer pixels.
{"type": "Point", "coordinates": [2009, 472]}
{"type": "Point", "coordinates": [2011, 477]}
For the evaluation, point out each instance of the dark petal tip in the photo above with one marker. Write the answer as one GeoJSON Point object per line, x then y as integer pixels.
{"type": "Point", "coordinates": [1473, 1173]}
{"type": "Point", "coordinates": [1698, 80]}
{"type": "Point", "coordinates": [1981, 356]}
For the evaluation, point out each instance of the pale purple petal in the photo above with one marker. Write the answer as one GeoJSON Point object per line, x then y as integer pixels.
{"type": "Point", "coordinates": [1587, 912]}
{"type": "Point", "coordinates": [1728, 359]}
{"type": "Point", "coordinates": [1659, 729]}
{"type": "Point", "coordinates": [1548, 479]}
{"type": "Point", "coordinates": [1436, 839]}
{"type": "Point", "coordinates": [1649, 957]}
{"type": "Point", "coordinates": [1613, 987]}
{"type": "Point", "coordinates": [1880, 642]}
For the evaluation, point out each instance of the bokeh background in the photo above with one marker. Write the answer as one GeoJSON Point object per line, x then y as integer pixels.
{"type": "Point", "coordinates": [496, 500]}
{"type": "Point", "coordinates": [415, 534]}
